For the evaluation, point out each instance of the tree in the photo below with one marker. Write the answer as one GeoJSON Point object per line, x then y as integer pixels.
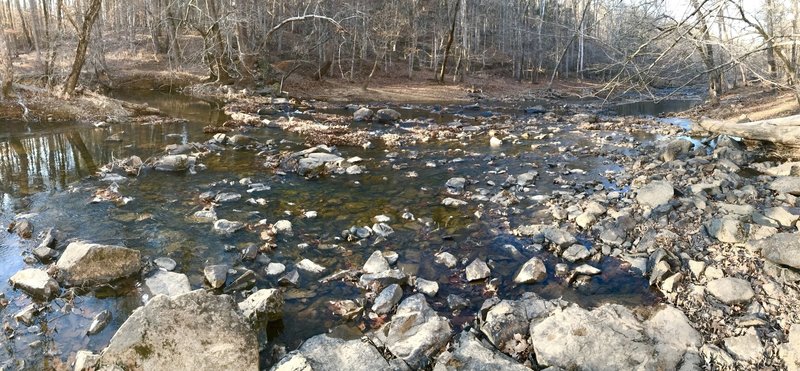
{"type": "Point", "coordinates": [83, 44]}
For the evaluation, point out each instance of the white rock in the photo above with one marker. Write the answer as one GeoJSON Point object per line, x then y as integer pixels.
{"type": "Point", "coordinates": [309, 266]}
{"type": "Point", "coordinates": [167, 283]}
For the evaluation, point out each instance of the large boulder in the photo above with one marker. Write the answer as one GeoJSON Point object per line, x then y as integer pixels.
{"type": "Point", "coordinates": [655, 194]}
{"type": "Point", "coordinates": [469, 354]}
{"type": "Point", "coordinates": [36, 282]}
{"type": "Point", "coordinates": [84, 263]}
{"type": "Point", "coordinates": [193, 331]}
{"type": "Point", "coordinates": [416, 332]}
{"type": "Point", "coordinates": [612, 338]}
{"type": "Point", "coordinates": [327, 353]}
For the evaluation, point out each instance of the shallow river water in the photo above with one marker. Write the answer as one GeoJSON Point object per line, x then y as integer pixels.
{"type": "Point", "coordinates": [47, 171]}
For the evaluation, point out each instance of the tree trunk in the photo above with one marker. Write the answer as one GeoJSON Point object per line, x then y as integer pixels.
{"type": "Point", "coordinates": [449, 42]}
{"type": "Point", "coordinates": [784, 131]}
{"type": "Point", "coordinates": [83, 43]}
{"type": "Point", "coordinates": [7, 68]}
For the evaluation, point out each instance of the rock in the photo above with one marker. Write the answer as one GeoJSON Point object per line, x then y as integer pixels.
{"type": "Point", "coordinates": [786, 184]}
{"type": "Point", "coordinates": [526, 178]}
{"type": "Point", "coordinates": [283, 227]}
{"type": "Point", "coordinates": [309, 266]}
{"type": "Point", "coordinates": [445, 258]}
{"type": "Point", "coordinates": [387, 115]}
{"type": "Point", "coordinates": [384, 278]}
{"type": "Point", "coordinates": [585, 220]}
{"type": "Point", "coordinates": [216, 275]}
{"type": "Point", "coordinates": [243, 282]}
{"type": "Point", "coordinates": [99, 322]}
{"type": "Point", "coordinates": [22, 227]}
{"type": "Point", "coordinates": [781, 215]}
{"type": "Point", "coordinates": [416, 332]}
{"type": "Point", "coordinates": [240, 140]}
{"type": "Point", "coordinates": [504, 321]}
{"type": "Point", "coordinates": [429, 288]}
{"type": "Point", "coordinates": [532, 271]}
{"type": "Point", "coordinates": [174, 163]}
{"type": "Point", "coordinates": [316, 163]}
{"type": "Point", "coordinates": [452, 202]}
{"type": "Point", "coordinates": [387, 299]}
{"type": "Point", "coordinates": [376, 263]}
{"type": "Point", "coordinates": [85, 360]}
{"type": "Point", "coordinates": [382, 229]}
{"type": "Point", "coordinates": [227, 227]}
{"type": "Point", "coordinates": [495, 142]}
{"type": "Point", "coordinates": [274, 269]}
{"type": "Point", "coordinates": [167, 283]}
{"type": "Point", "coordinates": [575, 252]}
{"type": "Point", "coordinates": [327, 353]}
{"type": "Point", "coordinates": [88, 264]}
{"type": "Point", "coordinates": [227, 197]}
{"type": "Point", "coordinates": [781, 248]}
{"type": "Point", "coordinates": [790, 351]}
{"type": "Point", "coordinates": [697, 267]}
{"type": "Point", "coordinates": [204, 216]}
{"type": "Point", "coordinates": [263, 304]}
{"type": "Point", "coordinates": [26, 314]}
{"type": "Point", "coordinates": [456, 302]}
{"type": "Point", "coordinates": [587, 270]}
{"type": "Point", "coordinates": [676, 149]}
{"type": "Point", "coordinates": [165, 263]}
{"type": "Point", "coordinates": [36, 283]}
{"type": "Point", "coordinates": [731, 290]}
{"type": "Point", "coordinates": [477, 270]}
{"type": "Point", "coordinates": [655, 194]}
{"type": "Point", "coordinates": [720, 357]}
{"type": "Point", "coordinates": [745, 348]}
{"type": "Point", "coordinates": [362, 114]}
{"type": "Point", "coordinates": [290, 278]}
{"type": "Point", "coordinates": [193, 331]}
{"type": "Point", "coordinates": [391, 257]}
{"type": "Point", "coordinates": [611, 337]}
{"type": "Point", "coordinates": [44, 253]}
{"type": "Point", "coordinates": [558, 237]}
{"type": "Point", "coordinates": [470, 354]}
{"type": "Point", "coordinates": [725, 230]}
{"type": "Point", "coordinates": [455, 185]}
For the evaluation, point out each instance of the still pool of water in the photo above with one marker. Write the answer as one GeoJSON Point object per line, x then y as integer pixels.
{"type": "Point", "coordinates": [47, 171]}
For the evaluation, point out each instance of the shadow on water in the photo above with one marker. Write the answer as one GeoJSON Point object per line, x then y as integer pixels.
{"type": "Point", "coordinates": [46, 171]}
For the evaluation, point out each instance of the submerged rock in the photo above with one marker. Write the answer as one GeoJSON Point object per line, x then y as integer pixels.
{"type": "Point", "coordinates": [327, 353]}
{"type": "Point", "coordinates": [36, 283]}
{"type": "Point", "coordinates": [224, 226]}
{"type": "Point", "coordinates": [193, 331]}
{"type": "Point", "coordinates": [88, 264]}
{"type": "Point", "coordinates": [99, 322]}
{"type": "Point", "coordinates": [416, 333]}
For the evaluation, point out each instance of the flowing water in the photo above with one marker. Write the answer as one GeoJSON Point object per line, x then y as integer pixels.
{"type": "Point", "coordinates": [47, 171]}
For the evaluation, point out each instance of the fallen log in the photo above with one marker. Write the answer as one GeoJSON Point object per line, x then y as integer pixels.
{"type": "Point", "coordinates": [784, 131]}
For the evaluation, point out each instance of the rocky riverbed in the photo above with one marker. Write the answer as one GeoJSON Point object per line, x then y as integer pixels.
{"type": "Point", "coordinates": [296, 235]}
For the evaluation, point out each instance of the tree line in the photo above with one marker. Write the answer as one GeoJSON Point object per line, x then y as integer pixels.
{"type": "Point", "coordinates": [627, 44]}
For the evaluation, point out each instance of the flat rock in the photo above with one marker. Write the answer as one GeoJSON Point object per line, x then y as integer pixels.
{"type": "Point", "coordinates": [167, 283]}
{"type": "Point", "coordinates": [327, 353]}
{"type": "Point", "coordinates": [726, 230]}
{"type": "Point", "coordinates": [174, 163]}
{"type": "Point", "coordinates": [84, 263]}
{"type": "Point", "coordinates": [376, 263]}
{"type": "Point", "coordinates": [731, 290]}
{"type": "Point", "coordinates": [575, 252]}
{"type": "Point", "coordinates": [193, 331]}
{"type": "Point", "coordinates": [416, 333]}
{"type": "Point", "coordinates": [165, 263]}
{"type": "Point", "coordinates": [36, 283]}
{"type": "Point", "coordinates": [263, 304]}
{"type": "Point", "coordinates": [470, 354]}
{"type": "Point", "coordinates": [310, 266]}
{"type": "Point", "coordinates": [786, 184]}
{"type": "Point", "coordinates": [558, 236]}
{"type": "Point", "coordinates": [790, 351]}
{"type": "Point", "coordinates": [477, 270]}
{"type": "Point", "coordinates": [781, 215]}
{"type": "Point", "coordinates": [655, 194]}
{"type": "Point", "coordinates": [383, 279]}
{"type": "Point", "coordinates": [532, 271]}
{"type": "Point", "coordinates": [387, 299]}
{"type": "Point", "coordinates": [781, 248]}
{"type": "Point", "coordinates": [225, 226]}
{"type": "Point", "coordinates": [445, 258]}
{"type": "Point", "coordinates": [429, 288]}
{"type": "Point", "coordinates": [745, 348]}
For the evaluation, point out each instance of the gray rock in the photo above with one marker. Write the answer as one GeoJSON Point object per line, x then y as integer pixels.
{"type": "Point", "coordinates": [243, 282]}
{"type": "Point", "coordinates": [745, 348]}
{"type": "Point", "coordinates": [676, 149]}
{"type": "Point", "coordinates": [315, 163]}
{"type": "Point", "coordinates": [167, 283]}
{"type": "Point", "coordinates": [227, 197]}
{"type": "Point", "coordinates": [387, 115]}
{"type": "Point", "coordinates": [790, 351]}
{"type": "Point", "coordinates": [655, 194]}
{"type": "Point", "coordinates": [376, 263]}
{"type": "Point", "coordinates": [781, 215]}
{"type": "Point", "coordinates": [429, 288]}
{"type": "Point", "coordinates": [283, 227]}
{"type": "Point", "coordinates": [558, 237]}
{"type": "Point", "coordinates": [216, 275]}
{"type": "Point", "coordinates": [382, 229]}
{"type": "Point", "coordinates": [452, 202]}
{"type": "Point", "coordinates": [290, 278]}
{"type": "Point", "coordinates": [274, 269]}
{"type": "Point", "coordinates": [85, 360]}
{"type": "Point", "coordinates": [527, 178]}
{"type": "Point", "coordinates": [99, 322]}
{"type": "Point", "coordinates": [731, 290]}
{"type": "Point", "coordinates": [204, 216]}
{"type": "Point", "coordinates": [456, 302]}
{"type": "Point", "coordinates": [445, 258]}
{"type": "Point", "coordinates": [165, 263]}
{"type": "Point", "coordinates": [726, 230]}
{"type": "Point", "coordinates": [587, 270]}
{"type": "Point", "coordinates": [387, 299]}
{"type": "Point", "coordinates": [477, 270]}
{"type": "Point", "coordinates": [416, 333]}
{"type": "Point", "coordinates": [227, 227]}
{"type": "Point", "coordinates": [362, 114]}
{"type": "Point", "coordinates": [87, 264]}
{"type": "Point", "coordinates": [263, 304]}
{"type": "Point", "coordinates": [193, 331]}
{"type": "Point", "coordinates": [455, 185]}
{"type": "Point", "coordinates": [36, 283]}
{"type": "Point", "coordinates": [503, 321]}
{"type": "Point", "coordinates": [469, 354]}
{"type": "Point", "coordinates": [44, 253]}
{"type": "Point", "coordinates": [174, 163]}
{"type": "Point", "coordinates": [383, 279]}
{"type": "Point", "coordinates": [327, 353]}
{"type": "Point", "coordinates": [786, 184]}
{"type": "Point", "coordinates": [575, 252]}
{"type": "Point", "coordinates": [532, 271]}
{"type": "Point", "coordinates": [310, 266]}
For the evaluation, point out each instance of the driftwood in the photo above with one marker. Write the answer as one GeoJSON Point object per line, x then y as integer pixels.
{"type": "Point", "coordinates": [784, 131]}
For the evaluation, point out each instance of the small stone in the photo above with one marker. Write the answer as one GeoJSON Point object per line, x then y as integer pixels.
{"type": "Point", "coordinates": [456, 302]}
{"type": "Point", "coordinates": [274, 269]}
{"type": "Point", "coordinates": [376, 263]}
{"type": "Point", "coordinates": [391, 257]}
{"type": "Point", "coordinates": [227, 197]}
{"type": "Point", "coordinates": [731, 290]}
{"type": "Point", "coordinates": [671, 283]}
{"type": "Point", "coordinates": [216, 275]}
{"type": "Point", "coordinates": [283, 227]}
{"type": "Point", "coordinates": [575, 252]}
{"type": "Point", "coordinates": [382, 229]}
{"type": "Point", "coordinates": [36, 283]}
{"type": "Point", "coordinates": [263, 304]}
{"type": "Point", "coordinates": [289, 279]}
{"type": "Point", "coordinates": [745, 348]}
{"type": "Point", "coordinates": [495, 142]}
{"type": "Point", "coordinates": [429, 288]}
{"type": "Point", "coordinates": [452, 202]}
{"type": "Point", "coordinates": [697, 267]}
{"type": "Point", "coordinates": [165, 263]}
{"type": "Point", "coordinates": [455, 185]}
{"type": "Point", "coordinates": [532, 271]}
{"type": "Point", "coordinates": [477, 270]}
{"type": "Point", "coordinates": [587, 270]}
{"type": "Point", "coordinates": [85, 360]}
{"type": "Point", "coordinates": [224, 226]}
{"type": "Point", "coordinates": [445, 258]}
{"type": "Point", "coordinates": [387, 299]}
{"type": "Point", "coordinates": [99, 322]}
{"type": "Point", "coordinates": [310, 266]}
